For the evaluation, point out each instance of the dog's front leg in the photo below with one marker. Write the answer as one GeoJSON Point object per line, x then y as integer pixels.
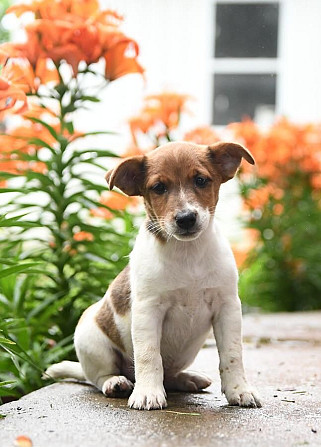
{"type": "Point", "coordinates": [147, 321]}
{"type": "Point", "coordinates": [227, 327]}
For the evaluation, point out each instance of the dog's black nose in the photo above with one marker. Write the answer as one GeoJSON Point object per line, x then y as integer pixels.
{"type": "Point", "coordinates": [185, 219]}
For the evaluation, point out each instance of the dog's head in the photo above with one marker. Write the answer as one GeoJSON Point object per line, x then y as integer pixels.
{"type": "Point", "coordinates": [180, 183]}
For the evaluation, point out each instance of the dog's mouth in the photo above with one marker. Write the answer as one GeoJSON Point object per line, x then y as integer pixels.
{"type": "Point", "coordinates": [184, 231]}
{"type": "Point", "coordinates": [187, 235]}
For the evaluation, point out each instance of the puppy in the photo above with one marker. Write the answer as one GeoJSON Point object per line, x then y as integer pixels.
{"type": "Point", "coordinates": [181, 281]}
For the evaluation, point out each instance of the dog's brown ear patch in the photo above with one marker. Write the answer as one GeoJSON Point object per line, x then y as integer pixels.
{"type": "Point", "coordinates": [227, 158]}
{"type": "Point", "coordinates": [128, 176]}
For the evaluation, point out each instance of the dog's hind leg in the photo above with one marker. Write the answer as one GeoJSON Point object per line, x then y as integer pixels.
{"type": "Point", "coordinates": [101, 361]}
{"type": "Point", "coordinates": [188, 381]}
{"type": "Point", "coordinates": [65, 370]}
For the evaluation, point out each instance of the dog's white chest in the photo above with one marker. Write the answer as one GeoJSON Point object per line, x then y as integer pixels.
{"type": "Point", "coordinates": [191, 307]}
{"type": "Point", "coordinates": [186, 325]}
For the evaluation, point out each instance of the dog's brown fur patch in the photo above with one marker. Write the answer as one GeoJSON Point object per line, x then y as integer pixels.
{"type": "Point", "coordinates": [184, 162]}
{"type": "Point", "coordinates": [120, 292]}
{"type": "Point", "coordinates": [106, 322]}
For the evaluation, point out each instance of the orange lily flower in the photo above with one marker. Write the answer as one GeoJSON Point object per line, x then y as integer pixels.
{"type": "Point", "coordinates": [282, 150]}
{"type": "Point", "coordinates": [143, 122]}
{"type": "Point", "coordinates": [202, 135]}
{"type": "Point", "coordinates": [13, 166]}
{"type": "Point", "coordinates": [316, 181]}
{"type": "Point", "coordinates": [12, 96]}
{"type": "Point", "coordinates": [164, 109]}
{"type": "Point", "coordinates": [169, 105]}
{"type": "Point", "coordinates": [74, 31]}
{"type": "Point", "coordinates": [133, 150]}
{"type": "Point", "coordinates": [45, 73]}
{"type": "Point", "coordinates": [101, 212]}
{"type": "Point", "coordinates": [116, 201]}
{"type": "Point", "coordinates": [83, 236]}
{"type": "Point", "coordinates": [121, 59]}
{"type": "Point", "coordinates": [19, 69]}
{"type": "Point", "coordinates": [241, 249]}
{"type": "Point", "coordinates": [84, 8]}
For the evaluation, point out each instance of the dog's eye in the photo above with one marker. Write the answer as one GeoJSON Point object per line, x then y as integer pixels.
{"type": "Point", "coordinates": [201, 182]}
{"type": "Point", "coordinates": [159, 188]}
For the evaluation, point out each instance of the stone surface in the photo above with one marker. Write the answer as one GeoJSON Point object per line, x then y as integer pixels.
{"type": "Point", "coordinates": [282, 355]}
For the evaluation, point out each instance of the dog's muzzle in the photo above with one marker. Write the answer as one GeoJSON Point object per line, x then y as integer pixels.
{"type": "Point", "coordinates": [186, 220]}
{"type": "Point", "coordinates": [187, 225]}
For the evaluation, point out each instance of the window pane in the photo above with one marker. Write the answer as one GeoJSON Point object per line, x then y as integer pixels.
{"type": "Point", "coordinates": [246, 30]}
{"type": "Point", "coordinates": [237, 96]}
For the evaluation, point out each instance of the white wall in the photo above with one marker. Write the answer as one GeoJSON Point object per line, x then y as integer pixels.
{"type": "Point", "coordinates": [176, 40]}
{"type": "Point", "coordinates": [300, 82]}
{"type": "Point", "coordinates": [172, 37]}
{"type": "Point", "coordinates": [173, 40]}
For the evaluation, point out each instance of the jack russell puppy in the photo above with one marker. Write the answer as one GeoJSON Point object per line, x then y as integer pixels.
{"type": "Point", "coordinates": [181, 281]}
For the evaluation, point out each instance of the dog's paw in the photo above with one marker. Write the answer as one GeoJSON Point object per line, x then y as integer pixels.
{"type": "Point", "coordinates": [117, 386]}
{"type": "Point", "coordinates": [144, 399]}
{"type": "Point", "coordinates": [242, 396]}
{"type": "Point", "coordinates": [188, 381]}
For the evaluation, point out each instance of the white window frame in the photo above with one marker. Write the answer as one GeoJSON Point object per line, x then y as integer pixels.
{"type": "Point", "coordinates": [242, 65]}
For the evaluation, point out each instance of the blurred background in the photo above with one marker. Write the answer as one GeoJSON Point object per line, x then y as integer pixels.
{"type": "Point", "coordinates": [236, 58]}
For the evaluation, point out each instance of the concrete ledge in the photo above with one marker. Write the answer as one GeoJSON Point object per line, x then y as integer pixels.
{"type": "Point", "coordinates": [287, 373]}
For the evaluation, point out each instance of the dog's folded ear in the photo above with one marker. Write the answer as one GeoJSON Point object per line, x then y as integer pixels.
{"type": "Point", "coordinates": [128, 176]}
{"type": "Point", "coordinates": [227, 158]}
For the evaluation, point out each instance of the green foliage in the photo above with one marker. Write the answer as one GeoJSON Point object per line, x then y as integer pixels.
{"type": "Point", "coordinates": [283, 271]}
{"type": "Point", "coordinates": [48, 274]}
{"type": "Point", "coordinates": [4, 34]}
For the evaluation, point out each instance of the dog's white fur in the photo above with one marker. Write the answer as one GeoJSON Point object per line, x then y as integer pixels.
{"type": "Point", "coordinates": [180, 289]}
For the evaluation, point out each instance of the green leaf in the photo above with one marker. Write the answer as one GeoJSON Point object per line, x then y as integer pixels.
{"type": "Point", "coordinates": [8, 175]}
{"type": "Point", "coordinates": [5, 341]}
{"type": "Point", "coordinates": [44, 305]}
{"type": "Point", "coordinates": [42, 143]}
{"type": "Point", "coordinates": [43, 179]}
{"type": "Point", "coordinates": [16, 222]}
{"type": "Point", "coordinates": [9, 391]}
{"type": "Point", "coordinates": [7, 382]}
{"type": "Point", "coordinates": [21, 354]}
{"type": "Point", "coordinates": [86, 134]}
{"type": "Point", "coordinates": [92, 161]}
{"type": "Point", "coordinates": [18, 269]}
{"type": "Point", "coordinates": [7, 261]}
{"type": "Point", "coordinates": [91, 154]}
{"type": "Point", "coordinates": [22, 224]}
{"type": "Point", "coordinates": [5, 190]}
{"type": "Point", "coordinates": [46, 125]}
{"type": "Point", "coordinates": [70, 127]}
{"type": "Point", "coordinates": [89, 98]}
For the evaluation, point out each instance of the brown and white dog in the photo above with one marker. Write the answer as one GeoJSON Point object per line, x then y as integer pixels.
{"type": "Point", "coordinates": [180, 282]}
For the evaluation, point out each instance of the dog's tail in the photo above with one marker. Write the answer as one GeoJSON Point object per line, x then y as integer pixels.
{"type": "Point", "coordinates": [65, 370]}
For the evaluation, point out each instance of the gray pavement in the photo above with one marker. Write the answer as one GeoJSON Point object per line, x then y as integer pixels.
{"type": "Point", "coordinates": [282, 354]}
